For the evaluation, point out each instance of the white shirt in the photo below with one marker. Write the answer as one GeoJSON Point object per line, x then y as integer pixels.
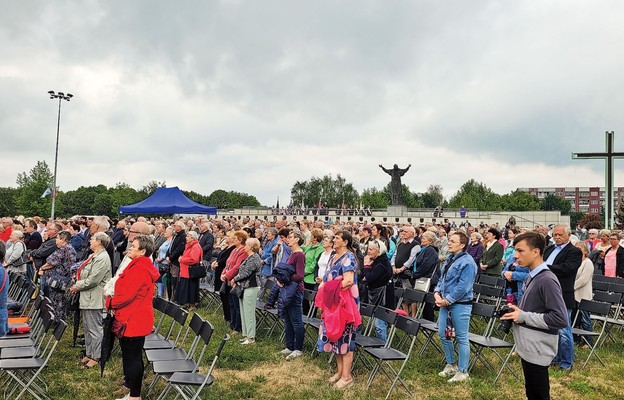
{"type": "Point", "coordinates": [109, 288]}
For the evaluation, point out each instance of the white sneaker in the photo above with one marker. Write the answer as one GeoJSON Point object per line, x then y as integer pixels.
{"type": "Point", "coordinates": [294, 354]}
{"type": "Point", "coordinates": [126, 397]}
{"type": "Point", "coordinates": [459, 377]}
{"type": "Point", "coordinates": [286, 351]}
{"type": "Point", "coordinates": [449, 370]}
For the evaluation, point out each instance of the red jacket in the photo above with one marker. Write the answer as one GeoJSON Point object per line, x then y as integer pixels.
{"type": "Point", "coordinates": [132, 302]}
{"type": "Point", "coordinates": [193, 254]}
{"type": "Point", "coordinates": [234, 261]}
{"type": "Point", "coordinates": [339, 308]}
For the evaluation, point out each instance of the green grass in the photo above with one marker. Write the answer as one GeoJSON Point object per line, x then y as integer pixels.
{"type": "Point", "coordinates": [258, 372]}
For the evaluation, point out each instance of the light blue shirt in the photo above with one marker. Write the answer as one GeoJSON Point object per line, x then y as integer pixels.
{"type": "Point", "coordinates": [539, 269]}
{"type": "Point", "coordinates": [553, 255]}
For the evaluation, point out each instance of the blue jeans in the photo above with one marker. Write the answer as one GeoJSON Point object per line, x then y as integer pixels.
{"type": "Point", "coordinates": [460, 315]}
{"type": "Point", "coordinates": [381, 328]}
{"type": "Point", "coordinates": [586, 323]}
{"type": "Point", "coordinates": [565, 352]}
{"type": "Point", "coordinates": [293, 323]}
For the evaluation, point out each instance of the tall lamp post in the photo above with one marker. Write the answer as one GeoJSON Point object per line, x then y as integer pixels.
{"type": "Point", "coordinates": [60, 96]}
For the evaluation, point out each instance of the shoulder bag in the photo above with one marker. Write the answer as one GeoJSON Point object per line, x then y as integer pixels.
{"type": "Point", "coordinates": [197, 271]}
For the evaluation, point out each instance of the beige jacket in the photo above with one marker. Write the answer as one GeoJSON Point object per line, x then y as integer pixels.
{"type": "Point", "coordinates": [93, 277]}
{"type": "Point", "coordinates": [583, 281]}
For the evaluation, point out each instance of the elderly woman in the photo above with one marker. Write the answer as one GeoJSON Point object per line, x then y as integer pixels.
{"type": "Point", "coordinates": [312, 253]}
{"type": "Point", "coordinates": [376, 274]}
{"type": "Point", "coordinates": [90, 280]}
{"type": "Point", "coordinates": [14, 254]}
{"type": "Point", "coordinates": [453, 294]}
{"type": "Point", "coordinates": [58, 266]}
{"type": "Point", "coordinates": [343, 265]}
{"type": "Point", "coordinates": [232, 264]}
{"type": "Point", "coordinates": [614, 258]}
{"type": "Point", "coordinates": [134, 313]}
{"type": "Point", "coordinates": [323, 261]}
{"type": "Point", "coordinates": [161, 261]}
{"type": "Point", "coordinates": [475, 247]}
{"type": "Point", "coordinates": [187, 291]}
{"type": "Point", "coordinates": [583, 288]}
{"type": "Point", "coordinates": [248, 279]}
{"type": "Point", "coordinates": [218, 266]}
{"type": "Point", "coordinates": [492, 253]}
{"type": "Point", "coordinates": [604, 243]}
{"type": "Point", "coordinates": [427, 262]}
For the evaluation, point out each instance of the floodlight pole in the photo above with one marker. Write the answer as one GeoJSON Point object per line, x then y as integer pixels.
{"type": "Point", "coordinates": [60, 96]}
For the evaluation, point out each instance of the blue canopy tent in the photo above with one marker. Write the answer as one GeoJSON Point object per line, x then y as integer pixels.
{"type": "Point", "coordinates": [167, 201]}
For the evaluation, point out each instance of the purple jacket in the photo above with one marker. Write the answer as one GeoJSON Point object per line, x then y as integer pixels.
{"type": "Point", "coordinates": [476, 251]}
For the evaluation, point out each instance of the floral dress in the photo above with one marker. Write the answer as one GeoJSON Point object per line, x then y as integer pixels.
{"type": "Point", "coordinates": [337, 267]}
{"type": "Point", "coordinates": [61, 261]}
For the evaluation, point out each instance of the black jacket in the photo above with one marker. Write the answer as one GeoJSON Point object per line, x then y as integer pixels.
{"type": "Point", "coordinates": [379, 272]}
{"type": "Point", "coordinates": [39, 255]}
{"type": "Point", "coordinates": [206, 241]}
{"type": "Point", "coordinates": [177, 248]}
{"type": "Point", "coordinates": [564, 266]}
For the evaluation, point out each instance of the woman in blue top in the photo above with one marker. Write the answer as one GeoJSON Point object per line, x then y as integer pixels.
{"type": "Point", "coordinates": [453, 294]}
{"type": "Point", "coordinates": [342, 263]}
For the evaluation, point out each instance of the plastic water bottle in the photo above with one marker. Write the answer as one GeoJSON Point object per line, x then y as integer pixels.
{"type": "Point", "coordinates": [511, 299]}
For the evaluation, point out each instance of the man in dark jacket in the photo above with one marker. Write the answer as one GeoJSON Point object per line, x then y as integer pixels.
{"type": "Point", "coordinates": [206, 241]}
{"type": "Point", "coordinates": [564, 259]}
{"type": "Point", "coordinates": [38, 256]}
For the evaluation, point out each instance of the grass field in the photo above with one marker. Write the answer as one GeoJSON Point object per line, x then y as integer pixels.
{"type": "Point", "coordinates": [258, 372]}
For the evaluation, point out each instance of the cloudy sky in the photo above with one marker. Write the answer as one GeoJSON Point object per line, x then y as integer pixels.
{"type": "Point", "coordinates": [253, 95]}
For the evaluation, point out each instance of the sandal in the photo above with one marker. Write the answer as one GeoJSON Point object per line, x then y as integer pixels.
{"type": "Point", "coordinates": [334, 378]}
{"type": "Point", "coordinates": [90, 364]}
{"type": "Point", "coordinates": [343, 384]}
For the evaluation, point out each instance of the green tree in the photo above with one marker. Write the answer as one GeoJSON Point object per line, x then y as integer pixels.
{"type": "Point", "coordinates": [555, 203]}
{"type": "Point", "coordinates": [476, 195]}
{"type": "Point", "coordinates": [519, 201]}
{"type": "Point", "coordinates": [222, 199]}
{"type": "Point", "coordinates": [122, 194]}
{"type": "Point", "coordinates": [8, 201]}
{"type": "Point", "coordinates": [151, 187]}
{"type": "Point", "coordinates": [333, 191]}
{"type": "Point", "coordinates": [591, 221]}
{"type": "Point", "coordinates": [619, 215]}
{"type": "Point", "coordinates": [82, 201]}
{"type": "Point", "coordinates": [30, 188]}
{"type": "Point", "coordinates": [433, 197]}
{"type": "Point", "coordinates": [374, 198]}
{"type": "Point", "coordinates": [410, 199]}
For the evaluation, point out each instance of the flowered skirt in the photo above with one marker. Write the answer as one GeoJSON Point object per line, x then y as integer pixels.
{"type": "Point", "coordinates": [344, 345]}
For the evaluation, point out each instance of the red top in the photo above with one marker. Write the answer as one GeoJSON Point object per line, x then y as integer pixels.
{"type": "Point", "coordinates": [193, 254]}
{"type": "Point", "coordinates": [6, 234]}
{"type": "Point", "coordinates": [234, 261]}
{"type": "Point", "coordinates": [132, 301]}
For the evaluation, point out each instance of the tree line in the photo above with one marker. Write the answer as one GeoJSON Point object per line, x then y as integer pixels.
{"type": "Point", "coordinates": [27, 198]}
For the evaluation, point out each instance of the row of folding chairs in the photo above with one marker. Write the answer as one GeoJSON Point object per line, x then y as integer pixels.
{"type": "Point", "coordinates": [176, 352]}
{"type": "Point", "coordinates": [24, 356]}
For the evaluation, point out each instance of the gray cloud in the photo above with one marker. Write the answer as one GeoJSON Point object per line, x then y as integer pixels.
{"type": "Point", "coordinates": [252, 96]}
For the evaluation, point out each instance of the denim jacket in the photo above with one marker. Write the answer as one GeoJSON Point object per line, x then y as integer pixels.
{"type": "Point", "coordinates": [457, 278]}
{"type": "Point", "coordinates": [267, 257]}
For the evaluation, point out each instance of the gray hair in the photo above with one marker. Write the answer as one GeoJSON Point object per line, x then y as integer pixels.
{"type": "Point", "coordinates": [379, 245]}
{"type": "Point", "coordinates": [192, 234]}
{"type": "Point", "coordinates": [102, 222]}
{"type": "Point", "coordinates": [181, 224]}
{"type": "Point", "coordinates": [605, 232]}
{"type": "Point", "coordinates": [566, 228]}
{"type": "Point", "coordinates": [102, 237]}
{"type": "Point", "coordinates": [18, 234]}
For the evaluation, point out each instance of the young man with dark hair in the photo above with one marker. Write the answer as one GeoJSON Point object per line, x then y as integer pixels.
{"type": "Point", "coordinates": [538, 317]}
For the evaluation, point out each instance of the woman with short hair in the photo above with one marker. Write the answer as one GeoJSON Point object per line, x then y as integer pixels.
{"type": "Point", "coordinates": [248, 278]}
{"type": "Point", "coordinates": [453, 295]}
{"type": "Point", "coordinates": [12, 259]}
{"type": "Point", "coordinates": [187, 290]}
{"type": "Point", "coordinates": [237, 256]}
{"type": "Point", "coordinates": [492, 253]}
{"type": "Point", "coordinates": [91, 277]}
{"type": "Point", "coordinates": [59, 263]}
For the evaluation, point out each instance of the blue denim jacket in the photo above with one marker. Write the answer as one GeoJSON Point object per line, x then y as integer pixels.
{"type": "Point", "coordinates": [267, 257]}
{"type": "Point", "coordinates": [4, 316]}
{"type": "Point", "coordinates": [456, 284]}
{"type": "Point", "coordinates": [519, 275]}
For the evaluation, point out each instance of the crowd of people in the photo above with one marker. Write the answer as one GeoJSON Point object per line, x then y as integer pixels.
{"type": "Point", "coordinates": [119, 265]}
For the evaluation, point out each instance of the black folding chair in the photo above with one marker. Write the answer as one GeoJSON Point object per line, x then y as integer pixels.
{"type": "Point", "coordinates": [169, 342]}
{"type": "Point", "coordinates": [480, 343]}
{"type": "Point", "coordinates": [166, 309]}
{"type": "Point", "coordinates": [189, 385]}
{"type": "Point", "coordinates": [384, 356]}
{"type": "Point", "coordinates": [491, 280]}
{"type": "Point", "coordinates": [597, 309]}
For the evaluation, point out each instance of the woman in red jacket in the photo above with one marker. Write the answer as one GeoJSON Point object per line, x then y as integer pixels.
{"type": "Point", "coordinates": [132, 305]}
{"type": "Point", "coordinates": [232, 264]}
{"type": "Point", "coordinates": [187, 291]}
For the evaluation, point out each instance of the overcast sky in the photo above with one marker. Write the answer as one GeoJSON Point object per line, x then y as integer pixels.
{"type": "Point", "coordinates": [253, 95]}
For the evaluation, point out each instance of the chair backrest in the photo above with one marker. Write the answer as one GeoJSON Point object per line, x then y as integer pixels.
{"type": "Point", "coordinates": [159, 304]}
{"type": "Point", "coordinates": [386, 315]}
{"type": "Point", "coordinates": [611, 298]}
{"type": "Point", "coordinates": [491, 280]}
{"type": "Point", "coordinates": [600, 285]}
{"type": "Point", "coordinates": [398, 296]}
{"type": "Point", "coordinates": [172, 309]}
{"type": "Point", "coordinates": [366, 310]}
{"type": "Point", "coordinates": [483, 310]}
{"type": "Point", "coordinates": [180, 316]}
{"type": "Point", "coordinates": [413, 295]}
{"type": "Point", "coordinates": [407, 325]}
{"type": "Point", "coordinates": [206, 332]}
{"type": "Point", "coordinates": [309, 295]}
{"type": "Point", "coordinates": [196, 324]}
{"type": "Point", "coordinates": [603, 278]}
{"type": "Point", "coordinates": [594, 307]}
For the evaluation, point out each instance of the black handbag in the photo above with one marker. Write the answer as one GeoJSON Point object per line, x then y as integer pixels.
{"type": "Point", "coordinates": [58, 282]}
{"type": "Point", "coordinates": [197, 271]}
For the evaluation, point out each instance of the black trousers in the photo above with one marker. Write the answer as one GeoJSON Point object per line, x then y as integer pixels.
{"type": "Point", "coordinates": [536, 383]}
{"type": "Point", "coordinates": [132, 359]}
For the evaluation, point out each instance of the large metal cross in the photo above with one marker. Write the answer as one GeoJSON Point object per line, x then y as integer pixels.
{"type": "Point", "coordinates": [608, 156]}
